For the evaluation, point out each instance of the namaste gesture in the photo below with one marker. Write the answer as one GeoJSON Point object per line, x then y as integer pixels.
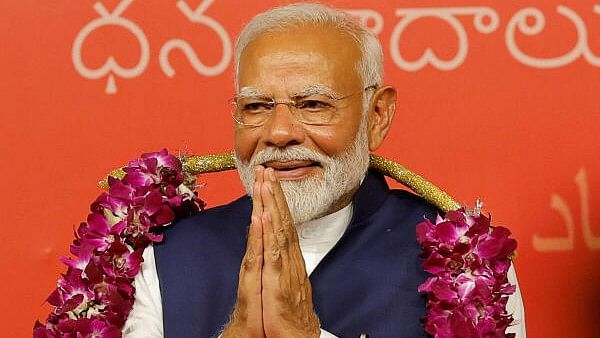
{"type": "Point", "coordinates": [274, 294]}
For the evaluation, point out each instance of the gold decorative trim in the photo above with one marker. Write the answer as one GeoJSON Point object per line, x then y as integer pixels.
{"type": "Point", "coordinates": [196, 165]}
{"type": "Point", "coordinates": [418, 184]}
{"type": "Point", "coordinates": [117, 173]}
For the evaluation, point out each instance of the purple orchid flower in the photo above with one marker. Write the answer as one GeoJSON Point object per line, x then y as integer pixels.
{"type": "Point", "coordinates": [95, 296]}
{"type": "Point", "coordinates": [468, 290]}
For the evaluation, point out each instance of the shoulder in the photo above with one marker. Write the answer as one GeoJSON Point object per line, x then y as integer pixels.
{"type": "Point", "coordinates": [398, 216]}
{"type": "Point", "coordinates": [375, 199]}
{"type": "Point", "coordinates": [408, 204]}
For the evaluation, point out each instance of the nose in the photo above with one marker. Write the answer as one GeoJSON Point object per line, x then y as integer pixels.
{"type": "Point", "coordinates": [282, 129]}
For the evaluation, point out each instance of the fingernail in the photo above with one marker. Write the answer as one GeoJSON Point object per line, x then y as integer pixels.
{"type": "Point", "coordinates": [272, 175]}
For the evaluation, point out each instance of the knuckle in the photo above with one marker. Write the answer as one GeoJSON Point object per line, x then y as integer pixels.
{"type": "Point", "coordinates": [275, 254]}
{"type": "Point", "coordinates": [246, 265]}
{"type": "Point", "coordinates": [250, 257]}
{"type": "Point", "coordinates": [282, 238]}
{"type": "Point", "coordinates": [282, 297]}
{"type": "Point", "coordinates": [249, 262]}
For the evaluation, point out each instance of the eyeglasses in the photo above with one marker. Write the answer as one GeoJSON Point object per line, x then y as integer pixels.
{"type": "Point", "coordinates": [313, 109]}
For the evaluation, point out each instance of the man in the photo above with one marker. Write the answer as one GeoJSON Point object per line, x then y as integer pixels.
{"type": "Point", "coordinates": [309, 108]}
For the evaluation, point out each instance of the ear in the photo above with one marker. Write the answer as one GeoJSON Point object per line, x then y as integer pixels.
{"type": "Point", "coordinates": [380, 115]}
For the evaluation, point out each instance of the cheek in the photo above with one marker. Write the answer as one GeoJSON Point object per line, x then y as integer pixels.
{"type": "Point", "coordinates": [333, 140]}
{"type": "Point", "coordinates": [245, 142]}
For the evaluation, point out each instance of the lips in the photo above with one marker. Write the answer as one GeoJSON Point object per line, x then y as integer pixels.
{"type": "Point", "coordinates": [293, 169]}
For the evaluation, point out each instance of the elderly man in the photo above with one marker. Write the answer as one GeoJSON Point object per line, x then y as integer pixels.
{"type": "Point", "coordinates": [322, 247]}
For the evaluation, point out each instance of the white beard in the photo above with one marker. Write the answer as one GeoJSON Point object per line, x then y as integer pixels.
{"type": "Point", "coordinates": [315, 196]}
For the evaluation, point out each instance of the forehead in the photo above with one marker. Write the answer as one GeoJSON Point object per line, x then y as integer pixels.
{"type": "Point", "coordinates": [293, 59]}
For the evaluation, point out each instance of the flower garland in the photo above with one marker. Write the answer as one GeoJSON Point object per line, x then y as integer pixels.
{"type": "Point", "coordinates": [467, 257]}
{"type": "Point", "coordinates": [468, 290]}
{"type": "Point", "coordinates": [96, 294]}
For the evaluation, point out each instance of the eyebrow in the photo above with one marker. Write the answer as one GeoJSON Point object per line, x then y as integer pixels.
{"type": "Point", "coordinates": [317, 89]}
{"type": "Point", "coordinates": [250, 92]}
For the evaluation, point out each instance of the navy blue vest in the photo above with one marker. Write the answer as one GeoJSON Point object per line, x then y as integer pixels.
{"type": "Point", "coordinates": [366, 284]}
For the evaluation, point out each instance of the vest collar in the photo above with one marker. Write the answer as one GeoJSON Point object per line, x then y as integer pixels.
{"type": "Point", "coordinates": [371, 194]}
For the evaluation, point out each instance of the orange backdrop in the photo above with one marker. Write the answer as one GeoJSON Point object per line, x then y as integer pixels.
{"type": "Point", "coordinates": [498, 101]}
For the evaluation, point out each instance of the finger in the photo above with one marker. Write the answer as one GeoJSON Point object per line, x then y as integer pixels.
{"type": "Point", "coordinates": [257, 209]}
{"type": "Point", "coordinates": [248, 308]}
{"type": "Point", "coordinates": [250, 270]}
{"type": "Point", "coordinates": [293, 261]}
{"type": "Point", "coordinates": [280, 201]}
{"type": "Point", "coordinates": [254, 244]}
{"type": "Point", "coordinates": [272, 252]}
{"type": "Point", "coordinates": [254, 241]}
{"type": "Point", "coordinates": [270, 207]}
{"type": "Point", "coordinates": [295, 266]}
{"type": "Point", "coordinates": [288, 270]}
{"type": "Point", "coordinates": [257, 204]}
{"type": "Point", "coordinates": [276, 277]}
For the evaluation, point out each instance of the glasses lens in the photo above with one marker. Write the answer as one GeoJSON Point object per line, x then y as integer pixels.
{"type": "Point", "coordinates": [252, 111]}
{"type": "Point", "coordinates": [316, 109]}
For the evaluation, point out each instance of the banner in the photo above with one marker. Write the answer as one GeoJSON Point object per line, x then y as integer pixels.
{"type": "Point", "coordinates": [498, 101]}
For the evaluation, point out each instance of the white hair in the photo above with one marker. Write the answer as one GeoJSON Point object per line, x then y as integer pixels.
{"type": "Point", "coordinates": [293, 16]}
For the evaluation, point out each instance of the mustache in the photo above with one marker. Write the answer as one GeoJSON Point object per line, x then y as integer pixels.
{"type": "Point", "coordinates": [288, 154]}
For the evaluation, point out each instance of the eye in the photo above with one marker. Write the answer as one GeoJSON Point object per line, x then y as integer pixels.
{"type": "Point", "coordinates": [314, 105]}
{"type": "Point", "coordinates": [257, 107]}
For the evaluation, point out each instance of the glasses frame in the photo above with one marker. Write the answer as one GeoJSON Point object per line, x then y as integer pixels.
{"type": "Point", "coordinates": [292, 106]}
